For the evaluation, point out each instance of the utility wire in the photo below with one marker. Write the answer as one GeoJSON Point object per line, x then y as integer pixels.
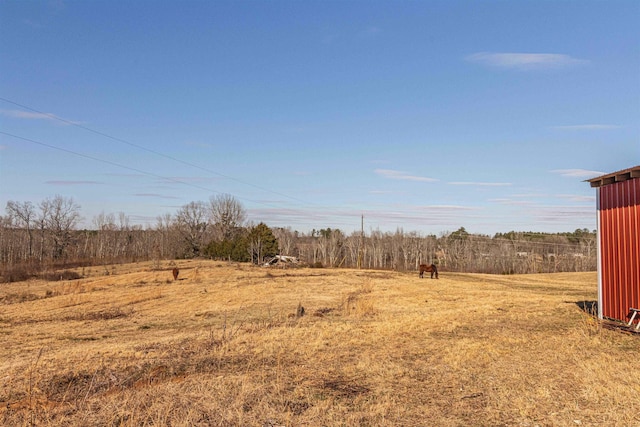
{"type": "Point", "coordinates": [486, 239]}
{"type": "Point", "coordinates": [149, 150]}
{"type": "Point", "coordinates": [158, 153]}
{"type": "Point", "coordinates": [109, 162]}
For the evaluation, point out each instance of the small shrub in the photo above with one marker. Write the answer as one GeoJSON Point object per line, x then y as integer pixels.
{"type": "Point", "coordinates": [323, 311]}
{"type": "Point", "coordinates": [50, 293]}
{"type": "Point", "coordinates": [61, 275]}
{"type": "Point", "coordinates": [16, 274]}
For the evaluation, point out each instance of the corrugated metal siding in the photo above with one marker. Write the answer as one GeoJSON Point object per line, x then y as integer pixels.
{"type": "Point", "coordinates": [620, 248]}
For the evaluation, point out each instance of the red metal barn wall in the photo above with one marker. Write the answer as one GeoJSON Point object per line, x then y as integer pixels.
{"type": "Point", "coordinates": [619, 234]}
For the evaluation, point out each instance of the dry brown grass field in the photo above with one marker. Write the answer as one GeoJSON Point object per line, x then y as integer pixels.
{"type": "Point", "coordinates": [225, 345]}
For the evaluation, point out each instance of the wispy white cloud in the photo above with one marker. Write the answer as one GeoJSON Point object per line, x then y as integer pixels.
{"type": "Point", "coordinates": [394, 174]}
{"type": "Point", "coordinates": [28, 115]}
{"type": "Point", "coordinates": [481, 184]}
{"type": "Point", "coordinates": [382, 192]}
{"type": "Point", "coordinates": [398, 216]}
{"type": "Point", "coordinates": [19, 114]}
{"type": "Point", "coordinates": [126, 175]}
{"type": "Point", "coordinates": [576, 198]}
{"type": "Point", "coordinates": [142, 219]}
{"type": "Point", "coordinates": [530, 195]}
{"type": "Point", "coordinates": [447, 208]}
{"type": "Point", "coordinates": [577, 173]}
{"type": "Point", "coordinates": [295, 217]}
{"type": "Point", "coordinates": [565, 214]}
{"type": "Point", "coordinates": [587, 127]}
{"type": "Point", "coordinates": [156, 195]}
{"type": "Point", "coordinates": [185, 179]}
{"type": "Point", "coordinates": [525, 61]}
{"type": "Point", "coordinates": [64, 182]}
{"type": "Point", "coordinates": [511, 202]}
{"type": "Point", "coordinates": [517, 201]}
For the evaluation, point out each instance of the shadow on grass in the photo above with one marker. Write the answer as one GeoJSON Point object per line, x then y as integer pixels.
{"type": "Point", "coordinates": [590, 307]}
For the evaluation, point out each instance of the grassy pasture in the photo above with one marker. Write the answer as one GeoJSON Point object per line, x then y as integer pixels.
{"type": "Point", "coordinates": [224, 346]}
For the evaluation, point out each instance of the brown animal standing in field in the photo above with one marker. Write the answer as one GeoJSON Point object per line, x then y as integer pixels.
{"type": "Point", "coordinates": [429, 269]}
{"type": "Point", "coordinates": [175, 273]}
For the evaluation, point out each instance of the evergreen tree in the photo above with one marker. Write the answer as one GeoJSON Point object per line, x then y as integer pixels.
{"type": "Point", "coordinates": [262, 243]}
{"type": "Point", "coordinates": [234, 248]}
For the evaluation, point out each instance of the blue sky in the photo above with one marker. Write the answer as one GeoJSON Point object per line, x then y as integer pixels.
{"type": "Point", "coordinates": [421, 115]}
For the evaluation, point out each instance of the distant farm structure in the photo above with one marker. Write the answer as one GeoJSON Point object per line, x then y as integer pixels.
{"type": "Point", "coordinates": [282, 261]}
{"type": "Point", "coordinates": [618, 234]}
{"type": "Point", "coordinates": [34, 241]}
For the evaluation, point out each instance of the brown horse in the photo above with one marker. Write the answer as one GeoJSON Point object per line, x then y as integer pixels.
{"type": "Point", "coordinates": [429, 269]}
{"type": "Point", "coordinates": [175, 273]}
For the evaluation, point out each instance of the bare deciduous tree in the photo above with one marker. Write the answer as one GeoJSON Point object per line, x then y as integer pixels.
{"type": "Point", "coordinates": [23, 213]}
{"type": "Point", "coordinates": [286, 238]}
{"type": "Point", "coordinates": [105, 224]}
{"type": "Point", "coordinates": [59, 215]}
{"type": "Point", "coordinates": [192, 223]}
{"type": "Point", "coordinates": [227, 215]}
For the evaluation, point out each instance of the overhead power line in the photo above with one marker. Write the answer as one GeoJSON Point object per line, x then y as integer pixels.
{"type": "Point", "coordinates": [166, 156]}
{"type": "Point", "coordinates": [109, 162]}
{"type": "Point", "coordinates": [149, 150]}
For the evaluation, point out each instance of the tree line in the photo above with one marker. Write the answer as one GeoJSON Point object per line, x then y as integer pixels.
{"type": "Point", "coordinates": [34, 237]}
